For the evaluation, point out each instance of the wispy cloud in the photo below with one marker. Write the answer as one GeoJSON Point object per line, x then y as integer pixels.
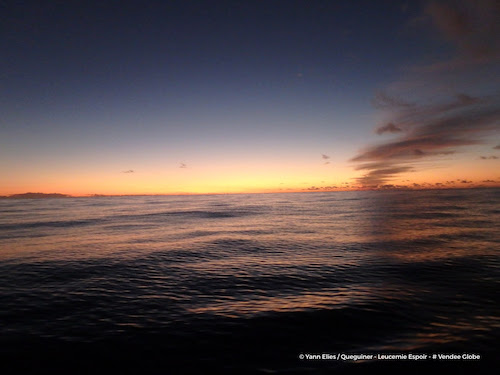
{"type": "Point", "coordinates": [321, 188]}
{"type": "Point", "coordinates": [492, 157]}
{"type": "Point", "coordinates": [389, 128]}
{"type": "Point", "coordinates": [129, 171]}
{"type": "Point", "coordinates": [441, 119]}
{"type": "Point", "coordinates": [381, 173]}
{"type": "Point", "coordinates": [431, 131]}
{"type": "Point", "coordinates": [325, 157]}
{"type": "Point", "coordinates": [382, 101]}
{"type": "Point", "coordinates": [472, 26]}
{"type": "Point", "coordinates": [435, 130]}
{"type": "Point", "coordinates": [182, 165]}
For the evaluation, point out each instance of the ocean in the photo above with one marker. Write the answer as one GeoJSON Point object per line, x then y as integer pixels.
{"type": "Point", "coordinates": [262, 283]}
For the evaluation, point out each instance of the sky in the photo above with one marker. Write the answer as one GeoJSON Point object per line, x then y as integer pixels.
{"type": "Point", "coordinates": [195, 97]}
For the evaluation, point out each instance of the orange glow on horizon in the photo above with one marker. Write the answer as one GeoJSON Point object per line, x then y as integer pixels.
{"type": "Point", "coordinates": [250, 177]}
{"type": "Point", "coordinates": [235, 189]}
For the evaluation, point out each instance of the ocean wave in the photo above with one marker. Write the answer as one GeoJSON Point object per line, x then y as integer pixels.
{"type": "Point", "coordinates": [49, 224]}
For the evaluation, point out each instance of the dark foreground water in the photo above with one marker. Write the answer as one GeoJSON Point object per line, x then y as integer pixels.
{"type": "Point", "coordinates": [248, 283]}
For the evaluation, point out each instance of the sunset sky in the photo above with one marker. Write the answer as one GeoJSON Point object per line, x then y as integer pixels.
{"type": "Point", "coordinates": [170, 97]}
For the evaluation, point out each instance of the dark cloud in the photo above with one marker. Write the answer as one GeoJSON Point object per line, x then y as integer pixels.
{"type": "Point", "coordinates": [382, 101]}
{"type": "Point", "coordinates": [389, 128]}
{"type": "Point", "coordinates": [182, 165]}
{"type": "Point", "coordinates": [378, 175]}
{"type": "Point", "coordinates": [465, 182]}
{"type": "Point", "coordinates": [452, 23]}
{"type": "Point", "coordinates": [471, 26]}
{"type": "Point", "coordinates": [497, 147]}
{"type": "Point", "coordinates": [325, 157]}
{"type": "Point", "coordinates": [321, 188]}
{"type": "Point", "coordinates": [489, 181]}
{"type": "Point", "coordinates": [392, 187]}
{"type": "Point", "coordinates": [129, 171]}
{"type": "Point", "coordinates": [489, 157]}
{"type": "Point", "coordinates": [463, 99]}
{"type": "Point", "coordinates": [432, 131]}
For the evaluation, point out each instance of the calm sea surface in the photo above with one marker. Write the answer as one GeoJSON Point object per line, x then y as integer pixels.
{"type": "Point", "coordinates": [247, 283]}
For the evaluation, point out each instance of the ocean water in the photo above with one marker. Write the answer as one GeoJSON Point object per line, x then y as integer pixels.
{"type": "Point", "coordinates": [248, 283]}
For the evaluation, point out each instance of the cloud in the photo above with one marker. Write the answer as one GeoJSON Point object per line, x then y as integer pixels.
{"type": "Point", "coordinates": [182, 165]}
{"type": "Point", "coordinates": [433, 113]}
{"type": "Point", "coordinates": [489, 157]}
{"type": "Point", "coordinates": [465, 182]}
{"type": "Point", "coordinates": [471, 26]}
{"type": "Point", "coordinates": [389, 128]}
{"type": "Point", "coordinates": [382, 100]}
{"type": "Point", "coordinates": [129, 171]}
{"type": "Point", "coordinates": [325, 157]}
{"type": "Point", "coordinates": [432, 131]}
{"type": "Point", "coordinates": [379, 174]}
{"type": "Point", "coordinates": [490, 181]}
{"type": "Point", "coordinates": [497, 147]}
{"type": "Point", "coordinates": [321, 188]}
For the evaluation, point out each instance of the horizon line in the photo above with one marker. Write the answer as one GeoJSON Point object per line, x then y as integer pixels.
{"type": "Point", "coordinates": [39, 195]}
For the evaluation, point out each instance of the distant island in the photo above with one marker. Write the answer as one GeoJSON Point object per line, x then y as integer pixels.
{"type": "Point", "coordinates": [36, 196]}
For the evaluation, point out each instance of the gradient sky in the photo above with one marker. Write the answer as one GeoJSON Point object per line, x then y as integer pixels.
{"type": "Point", "coordinates": [168, 97]}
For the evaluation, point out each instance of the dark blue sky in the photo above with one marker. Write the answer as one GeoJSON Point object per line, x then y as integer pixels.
{"type": "Point", "coordinates": [119, 47]}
